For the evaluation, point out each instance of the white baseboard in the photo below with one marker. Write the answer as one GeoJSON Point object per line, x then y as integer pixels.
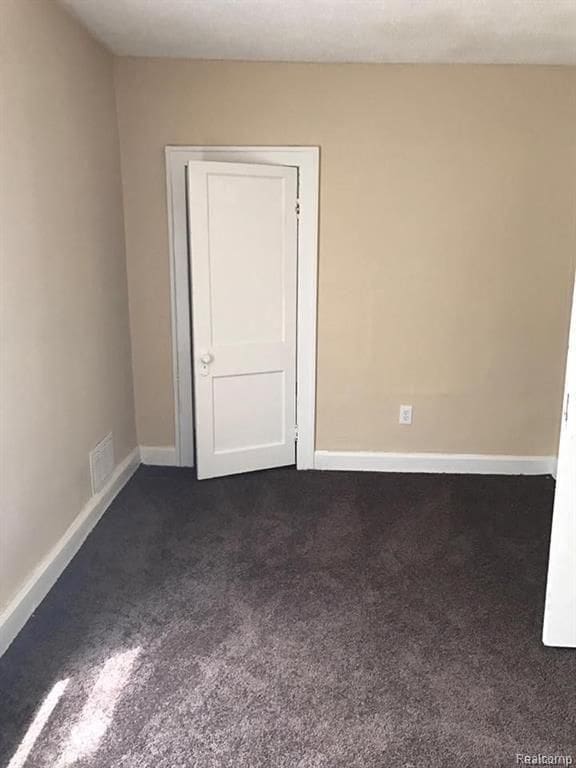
{"type": "Point", "coordinates": [44, 576]}
{"type": "Point", "coordinates": [457, 463]}
{"type": "Point", "coordinates": [366, 461]}
{"type": "Point", "coordinates": [158, 456]}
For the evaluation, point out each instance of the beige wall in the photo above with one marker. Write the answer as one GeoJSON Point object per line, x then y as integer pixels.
{"type": "Point", "coordinates": [65, 364]}
{"type": "Point", "coordinates": [447, 238]}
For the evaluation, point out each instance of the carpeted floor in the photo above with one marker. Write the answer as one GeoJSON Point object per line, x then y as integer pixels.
{"type": "Point", "coordinates": [298, 620]}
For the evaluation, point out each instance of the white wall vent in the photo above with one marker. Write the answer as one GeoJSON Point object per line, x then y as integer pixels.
{"type": "Point", "coordinates": [102, 463]}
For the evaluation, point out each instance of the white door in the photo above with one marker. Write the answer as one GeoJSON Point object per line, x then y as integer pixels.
{"type": "Point", "coordinates": [243, 252]}
{"type": "Point", "coordinates": [560, 611]}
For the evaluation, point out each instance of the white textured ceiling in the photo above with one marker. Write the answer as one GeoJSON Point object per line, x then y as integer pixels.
{"type": "Point", "coordinates": [472, 31]}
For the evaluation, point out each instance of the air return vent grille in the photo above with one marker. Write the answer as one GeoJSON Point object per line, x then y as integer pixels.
{"type": "Point", "coordinates": [102, 463]}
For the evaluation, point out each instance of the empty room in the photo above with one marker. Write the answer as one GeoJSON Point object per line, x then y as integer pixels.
{"type": "Point", "coordinates": [287, 383]}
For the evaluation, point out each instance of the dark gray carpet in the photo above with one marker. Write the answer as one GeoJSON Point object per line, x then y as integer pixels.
{"type": "Point", "coordinates": [305, 620]}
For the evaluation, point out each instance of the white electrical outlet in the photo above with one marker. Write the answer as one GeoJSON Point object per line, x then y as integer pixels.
{"type": "Point", "coordinates": [102, 463]}
{"type": "Point", "coordinates": [405, 414]}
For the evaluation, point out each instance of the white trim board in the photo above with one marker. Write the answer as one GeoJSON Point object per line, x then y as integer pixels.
{"type": "Point", "coordinates": [46, 573]}
{"type": "Point", "coordinates": [307, 160]}
{"type": "Point", "coordinates": [367, 461]}
{"type": "Point", "coordinates": [158, 455]}
{"type": "Point", "coordinates": [440, 463]}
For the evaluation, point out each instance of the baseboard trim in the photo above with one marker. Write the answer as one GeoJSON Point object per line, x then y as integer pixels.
{"type": "Point", "coordinates": [46, 573]}
{"type": "Point", "coordinates": [440, 463]}
{"type": "Point", "coordinates": [158, 456]}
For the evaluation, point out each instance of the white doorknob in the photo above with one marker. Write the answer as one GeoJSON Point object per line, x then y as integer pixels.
{"type": "Point", "coordinates": [206, 358]}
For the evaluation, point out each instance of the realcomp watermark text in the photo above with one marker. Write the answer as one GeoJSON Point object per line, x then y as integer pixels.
{"type": "Point", "coordinates": [540, 759]}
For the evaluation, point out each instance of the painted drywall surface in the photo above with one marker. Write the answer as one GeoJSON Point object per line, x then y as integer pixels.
{"type": "Point", "coordinates": [447, 239]}
{"type": "Point", "coordinates": [66, 361]}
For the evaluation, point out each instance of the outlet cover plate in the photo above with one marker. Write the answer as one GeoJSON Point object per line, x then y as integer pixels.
{"type": "Point", "coordinates": [405, 414]}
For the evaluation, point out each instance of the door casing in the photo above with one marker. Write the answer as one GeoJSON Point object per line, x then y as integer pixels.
{"type": "Point", "coordinates": [307, 160]}
{"type": "Point", "coordinates": [560, 606]}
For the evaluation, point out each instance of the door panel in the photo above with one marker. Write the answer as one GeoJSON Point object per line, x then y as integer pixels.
{"type": "Point", "coordinates": [246, 217]}
{"type": "Point", "coordinates": [235, 428]}
{"type": "Point", "coordinates": [243, 251]}
{"type": "Point", "coordinates": [560, 612]}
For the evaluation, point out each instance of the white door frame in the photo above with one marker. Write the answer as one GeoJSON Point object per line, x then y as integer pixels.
{"type": "Point", "coordinates": [559, 612]}
{"type": "Point", "coordinates": [307, 160]}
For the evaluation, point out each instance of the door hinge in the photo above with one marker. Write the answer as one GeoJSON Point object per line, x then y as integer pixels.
{"type": "Point", "coordinates": [297, 207]}
{"type": "Point", "coordinates": [295, 433]}
{"type": "Point", "coordinates": [567, 409]}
